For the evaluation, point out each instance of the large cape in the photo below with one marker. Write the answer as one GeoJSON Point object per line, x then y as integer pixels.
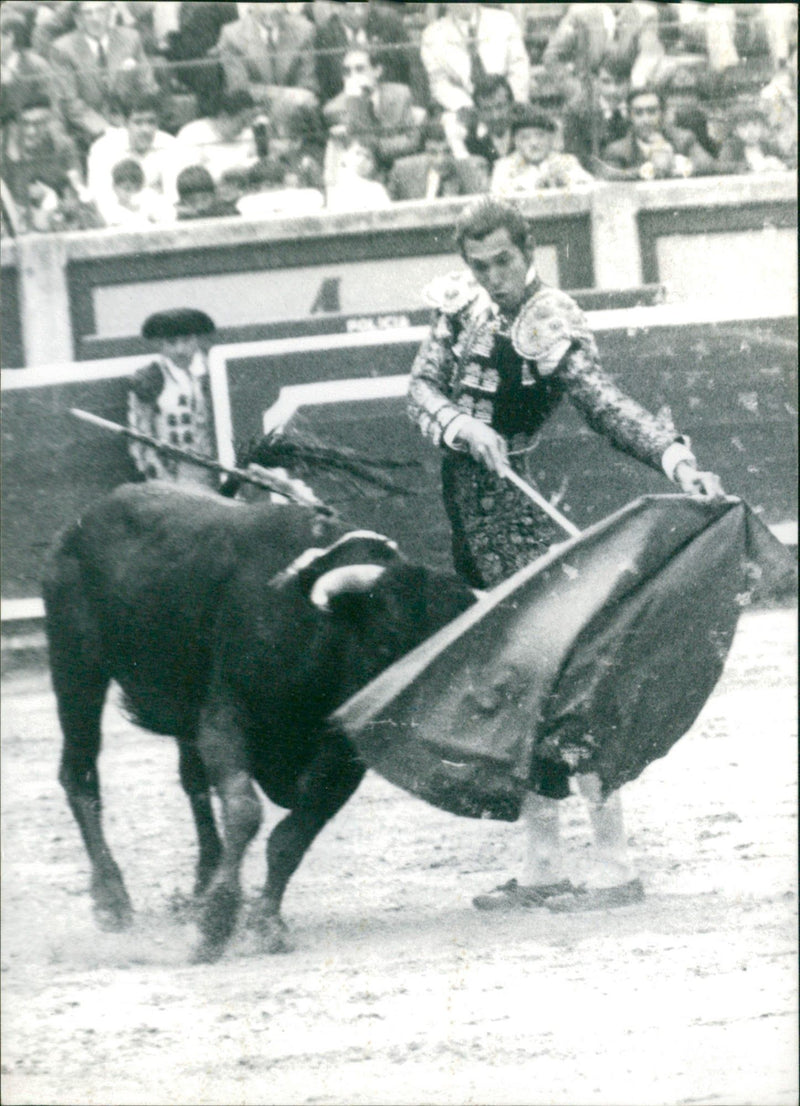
{"type": "Point", "coordinates": [599, 655]}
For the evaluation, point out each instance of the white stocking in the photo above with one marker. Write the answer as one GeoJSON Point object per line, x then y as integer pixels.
{"type": "Point", "coordinates": [542, 840]}
{"type": "Point", "coordinates": [611, 866]}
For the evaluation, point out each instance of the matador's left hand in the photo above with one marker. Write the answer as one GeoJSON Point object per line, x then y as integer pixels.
{"type": "Point", "coordinates": [706, 485]}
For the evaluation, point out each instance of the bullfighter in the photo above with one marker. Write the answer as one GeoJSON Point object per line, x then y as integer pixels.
{"type": "Point", "coordinates": [170, 400]}
{"type": "Point", "coordinates": [503, 351]}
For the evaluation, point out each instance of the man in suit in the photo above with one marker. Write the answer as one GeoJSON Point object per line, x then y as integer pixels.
{"type": "Point", "coordinates": [435, 173]}
{"type": "Point", "coordinates": [588, 33]}
{"type": "Point", "coordinates": [600, 116]}
{"type": "Point", "coordinates": [489, 132]}
{"type": "Point", "coordinates": [95, 62]}
{"type": "Point", "coordinates": [39, 161]}
{"type": "Point", "coordinates": [23, 72]}
{"type": "Point", "coordinates": [651, 150]}
{"type": "Point", "coordinates": [360, 24]}
{"type": "Point", "coordinates": [373, 109]}
{"type": "Point", "coordinates": [269, 53]}
{"type": "Point", "coordinates": [460, 48]}
{"type": "Point", "coordinates": [188, 42]}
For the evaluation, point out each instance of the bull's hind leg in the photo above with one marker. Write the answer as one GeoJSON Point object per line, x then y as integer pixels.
{"type": "Point", "coordinates": [322, 790]}
{"type": "Point", "coordinates": [195, 783]}
{"type": "Point", "coordinates": [81, 693]}
{"type": "Point", "coordinates": [80, 682]}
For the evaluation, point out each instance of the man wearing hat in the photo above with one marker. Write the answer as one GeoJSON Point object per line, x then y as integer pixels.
{"type": "Point", "coordinates": [504, 350]}
{"type": "Point", "coordinates": [535, 162]}
{"type": "Point", "coordinates": [170, 400]}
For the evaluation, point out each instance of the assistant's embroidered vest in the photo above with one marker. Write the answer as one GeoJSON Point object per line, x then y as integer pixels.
{"type": "Point", "coordinates": [181, 413]}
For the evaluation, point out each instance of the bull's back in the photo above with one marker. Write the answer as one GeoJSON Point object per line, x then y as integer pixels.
{"type": "Point", "coordinates": [147, 570]}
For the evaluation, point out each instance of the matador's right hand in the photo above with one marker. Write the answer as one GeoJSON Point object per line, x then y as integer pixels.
{"type": "Point", "coordinates": [485, 445]}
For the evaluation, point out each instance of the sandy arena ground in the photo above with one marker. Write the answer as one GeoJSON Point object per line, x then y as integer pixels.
{"type": "Point", "coordinates": [399, 991]}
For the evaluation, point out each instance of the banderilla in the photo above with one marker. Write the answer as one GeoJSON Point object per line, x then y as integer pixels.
{"type": "Point", "coordinates": [272, 482]}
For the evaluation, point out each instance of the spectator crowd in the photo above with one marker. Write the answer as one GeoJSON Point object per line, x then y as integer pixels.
{"type": "Point", "coordinates": [136, 114]}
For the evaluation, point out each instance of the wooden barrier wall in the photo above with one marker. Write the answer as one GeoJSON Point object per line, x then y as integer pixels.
{"type": "Point", "coordinates": [84, 296]}
{"type": "Point", "coordinates": [333, 298]}
{"type": "Point", "coordinates": [730, 383]}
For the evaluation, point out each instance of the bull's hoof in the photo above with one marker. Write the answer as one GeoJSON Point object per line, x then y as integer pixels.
{"type": "Point", "coordinates": [217, 923]}
{"type": "Point", "coordinates": [207, 952]}
{"type": "Point", "coordinates": [111, 907]}
{"type": "Point", "coordinates": [274, 936]}
{"type": "Point", "coordinates": [113, 919]}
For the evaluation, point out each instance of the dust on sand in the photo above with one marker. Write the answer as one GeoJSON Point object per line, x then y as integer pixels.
{"type": "Point", "coordinates": [399, 992]}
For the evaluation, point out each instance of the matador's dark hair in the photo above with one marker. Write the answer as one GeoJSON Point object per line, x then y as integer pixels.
{"type": "Point", "coordinates": [489, 214]}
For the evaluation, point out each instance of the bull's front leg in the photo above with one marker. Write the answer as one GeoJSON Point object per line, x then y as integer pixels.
{"type": "Point", "coordinates": [221, 744]}
{"type": "Point", "coordinates": [322, 790]}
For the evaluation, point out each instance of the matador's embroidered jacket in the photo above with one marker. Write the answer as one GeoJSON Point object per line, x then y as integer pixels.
{"type": "Point", "coordinates": [468, 367]}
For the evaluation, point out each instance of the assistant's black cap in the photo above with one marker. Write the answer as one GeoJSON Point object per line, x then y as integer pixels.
{"type": "Point", "coordinates": [177, 323]}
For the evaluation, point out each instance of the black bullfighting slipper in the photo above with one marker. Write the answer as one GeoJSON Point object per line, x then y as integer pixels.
{"type": "Point", "coordinates": [514, 896]}
{"type": "Point", "coordinates": [597, 898]}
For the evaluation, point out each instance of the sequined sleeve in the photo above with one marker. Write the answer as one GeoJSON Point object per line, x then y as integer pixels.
{"type": "Point", "coordinates": [430, 404]}
{"type": "Point", "coordinates": [629, 427]}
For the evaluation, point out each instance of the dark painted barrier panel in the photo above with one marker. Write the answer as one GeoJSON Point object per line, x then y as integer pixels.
{"type": "Point", "coordinates": [730, 388]}
{"type": "Point", "coordinates": [53, 466]}
{"type": "Point", "coordinates": [12, 355]}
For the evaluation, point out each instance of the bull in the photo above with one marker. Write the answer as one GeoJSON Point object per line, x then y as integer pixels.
{"type": "Point", "coordinates": [235, 628]}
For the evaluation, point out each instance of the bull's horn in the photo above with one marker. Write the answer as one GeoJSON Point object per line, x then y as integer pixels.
{"type": "Point", "coordinates": [384, 546]}
{"type": "Point", "coordinates": [348, 578]}
{"type": "Point", "coordinates": [364, 535]}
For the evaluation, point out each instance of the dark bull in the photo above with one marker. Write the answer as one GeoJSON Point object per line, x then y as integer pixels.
{"type": "Point", "coordinates": [184, 599]}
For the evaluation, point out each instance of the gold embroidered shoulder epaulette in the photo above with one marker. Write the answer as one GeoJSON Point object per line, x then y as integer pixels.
{"type": "Point", "coordinates": [452, 292]}
{"type": "Point", "coordinates": [546, 326]}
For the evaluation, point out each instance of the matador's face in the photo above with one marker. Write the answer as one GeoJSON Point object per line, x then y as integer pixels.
{"type": "Point", "coordinates": [499, 266]}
